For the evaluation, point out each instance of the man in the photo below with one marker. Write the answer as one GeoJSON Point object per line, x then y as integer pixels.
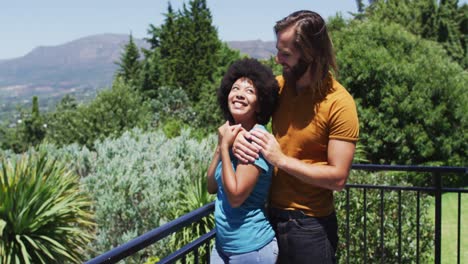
{"type": "Point", "coordinates": [315, 129]}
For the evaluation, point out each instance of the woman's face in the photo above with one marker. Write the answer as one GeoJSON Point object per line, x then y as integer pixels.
{"type": "Point", "coordinates": [242, 101]}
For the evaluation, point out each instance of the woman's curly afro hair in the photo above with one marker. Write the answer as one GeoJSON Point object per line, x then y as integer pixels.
{"type": "Point", "coordinates": [263, 80]}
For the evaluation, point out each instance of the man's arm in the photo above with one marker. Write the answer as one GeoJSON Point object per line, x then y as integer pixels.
{"type": "Point", "coordinates": [332, 176]}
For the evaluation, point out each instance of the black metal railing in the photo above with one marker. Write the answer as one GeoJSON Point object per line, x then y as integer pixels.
{"type": "Point", "coordinates": [203, 241]}
{"type": "Point", "coordinates": [159, 233]}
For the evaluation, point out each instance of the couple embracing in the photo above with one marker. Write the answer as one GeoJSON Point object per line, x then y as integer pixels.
{"type": "Point", "coordinates": [274, 199]}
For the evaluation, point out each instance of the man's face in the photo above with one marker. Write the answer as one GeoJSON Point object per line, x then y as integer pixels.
{"type": "Point", "coordinates": [289, 56]}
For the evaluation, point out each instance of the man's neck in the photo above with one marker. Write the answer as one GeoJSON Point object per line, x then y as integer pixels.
{"type": "Point", "coordinates": [304, 82]}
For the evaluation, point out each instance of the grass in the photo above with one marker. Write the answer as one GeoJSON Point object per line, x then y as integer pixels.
{"type": "Point", "coordinates": [449, 227]}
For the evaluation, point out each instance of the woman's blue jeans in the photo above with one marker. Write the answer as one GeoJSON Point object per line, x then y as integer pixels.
{"type": "Point", "coordinates": [267, 254]}
{"type": "Point", "coordinates": [305, 239]}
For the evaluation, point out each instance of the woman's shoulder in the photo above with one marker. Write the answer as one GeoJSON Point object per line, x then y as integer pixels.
{"type": "Point", "coordinates": [259, 126]}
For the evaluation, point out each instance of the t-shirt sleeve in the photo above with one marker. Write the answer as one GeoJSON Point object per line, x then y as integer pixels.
{"type": "Point", "coordinates": [344, 123]}
{"type": "Point", "coordinates": [261, 163]}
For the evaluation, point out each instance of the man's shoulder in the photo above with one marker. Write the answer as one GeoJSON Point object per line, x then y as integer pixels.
{"type": "Point", "coordinates": [339, 92]}
{"type": "Point", "coordinates": [280, 80]}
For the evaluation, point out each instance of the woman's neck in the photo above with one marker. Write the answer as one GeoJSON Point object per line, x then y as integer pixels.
{"type": "Point", "coordinates": [247, 125]}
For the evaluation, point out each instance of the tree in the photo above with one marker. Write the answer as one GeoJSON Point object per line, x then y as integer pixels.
{"type": "Point", "coordinates": [165, 43]}
{"type": "Point", "coordinates": [429, 19]}
{"type": "Point", "coordinates": [412, 107]}
{"type": "Point", "coordinates": [448, 31]}
{"type": "Point", "coordinates": [65, 122]}
{"type": "Point", "coordinates": [30, 129]}
{"type": "Point", "coordinates": [209, 115]}
{"type": "Point", "coordinates": [441, 22]}
{"type": "Point", "coordinates": [150, 75]}
{"type": "Point", "coordinates": [187, 54]}
{"type": "Point", "coordinates": [129, 65]}
{"type": "Point", "coordinates": [110, 114]}
{"type": "Point", "coordinates": [188, 46]}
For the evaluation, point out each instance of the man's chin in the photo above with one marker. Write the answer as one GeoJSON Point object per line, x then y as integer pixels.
{"type": "Point", "coordinates": [289, 78]}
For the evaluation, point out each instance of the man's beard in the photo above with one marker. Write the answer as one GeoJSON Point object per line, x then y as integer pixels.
{"type": "Point", "coordinates": [296, 72]}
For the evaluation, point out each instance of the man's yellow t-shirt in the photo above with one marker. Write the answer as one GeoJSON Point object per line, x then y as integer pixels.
{"type": "Point", "coordinates": [303, 129]}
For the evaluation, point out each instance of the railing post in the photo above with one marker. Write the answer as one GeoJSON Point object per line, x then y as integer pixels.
{"type": "Point", "coordinates": [438, 216]}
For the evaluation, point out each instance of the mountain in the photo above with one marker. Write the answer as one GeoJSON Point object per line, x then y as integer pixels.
{"type": "Point", "coordinates": [86, 62]}
{"type": "Point", "coordinates": [255, 48]}
{"type": "Point", "coordinates": [79, 67]}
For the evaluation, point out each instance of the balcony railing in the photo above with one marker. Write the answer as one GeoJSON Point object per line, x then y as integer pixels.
{"type": "Point", "coordinates": [436, 191]}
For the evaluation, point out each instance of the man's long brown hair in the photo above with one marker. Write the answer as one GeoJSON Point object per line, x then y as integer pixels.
{"type": "Point", "coordinates": [313, 41]}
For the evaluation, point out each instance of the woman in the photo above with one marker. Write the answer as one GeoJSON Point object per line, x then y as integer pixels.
{"type": "Point", "coordinates": [247, 97]}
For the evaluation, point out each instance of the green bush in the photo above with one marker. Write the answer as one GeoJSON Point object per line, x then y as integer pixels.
{"type": "Point", "coordinates": [44, 215]}
{"type": "Point", "coordinates": [412, 98]}
{"type": "Point", "coordinates": [109, 115]}
{"type": "Point", "coordinates": [136, 182]}
{"type": "Point", "coordinates": [193, 195]}
{"type": "Point", "coordinates": [390, 222]}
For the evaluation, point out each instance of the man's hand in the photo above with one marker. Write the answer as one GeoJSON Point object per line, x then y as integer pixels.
{"type": "Point", "coordinates": [243, 150]}
{"type": "Point", "coordinates": [268, 145]}
{"type": "Point", "coordinates": [227, 134]}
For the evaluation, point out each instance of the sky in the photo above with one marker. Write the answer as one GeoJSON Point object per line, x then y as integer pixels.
{"type": "Point", "coordinates": [26, 24]}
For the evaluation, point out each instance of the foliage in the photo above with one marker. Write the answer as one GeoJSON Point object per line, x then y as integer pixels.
{"type": "Point", "coordinates": [365, 228]}
{"type": "Point", "coordinates": [109, 115]}
{"type": "Point", "coordinates": [188, 45]}
{"type": "Point", "coordinates": [44, 216]}
{"type": "Point", "coordinates": [190, 57]}
{"type": "Point", "coordinates": [173, 110]}
{"type": "Point", "coordinates": [135, 182]}
{"type": "Point", "coordinates": [192, 196]}
{"type": "Point", "coordinates": [150, 75]}
{"type": "Point", "coordinates": [411, 106]}
{"type": "Point", "coordinates": [9, 138]}
{"type": "Point", "coordinates": [441, 22]}
{"type": "Point", "coordinates": [208, 113]}
{"type": "Point", "coordinates": [129, 65]}
{"type": "Point", "coordinates": [29, 131]}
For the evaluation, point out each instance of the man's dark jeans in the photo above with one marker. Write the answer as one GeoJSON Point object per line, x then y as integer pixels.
{"type": "Point", "coordinates": [304, 239]}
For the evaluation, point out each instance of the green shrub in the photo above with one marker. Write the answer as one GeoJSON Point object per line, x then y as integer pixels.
{"type": "Point", "coordinates": [390, 222]}
{"type": "Point", "coordinates": [193, 195]}
{"type": "Point", "coordinates": [111, 113]}
{"type": "Point", "coordinates": [136, 180]}
{"type": "Point", "coordinates": [412, 98]}
{"type": "Point", "coordinates": [44, 216]}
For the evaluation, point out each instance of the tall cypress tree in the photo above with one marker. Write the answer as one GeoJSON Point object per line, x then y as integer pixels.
{"type": "Point", "coordinates": [205, 45]}
{"type": "Point", "coordinates": [129, 65]}
{"type": "Point", "coordinates": [429, 19]}
{"type": "Point", "coordinates": [448, 30]}
{"type": "Point", "coordinates": [441, 22]}
{"type": "Point", "coordinates": [463, 27]}
{"type": "Point", "coordinates": [188, 46]}
{"type": "Point", "coordinates": [150, 74]}
{"type": "Point", "coordinates": [32, 129]}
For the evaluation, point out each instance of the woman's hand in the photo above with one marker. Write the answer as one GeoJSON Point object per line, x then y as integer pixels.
{"type": "Point", "coordinates": [227, 134]}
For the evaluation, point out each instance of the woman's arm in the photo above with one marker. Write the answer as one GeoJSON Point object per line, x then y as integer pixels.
{"type": "Point", "coordinates": [239, 184]}
{"type": "Point", "coordinates": [210, 176]}
{"type": "Point", "coordinates": [236, 184]}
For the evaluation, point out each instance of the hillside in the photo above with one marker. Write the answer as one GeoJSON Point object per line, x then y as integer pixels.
{"type": "Point", "coordinates": [80, 67]}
